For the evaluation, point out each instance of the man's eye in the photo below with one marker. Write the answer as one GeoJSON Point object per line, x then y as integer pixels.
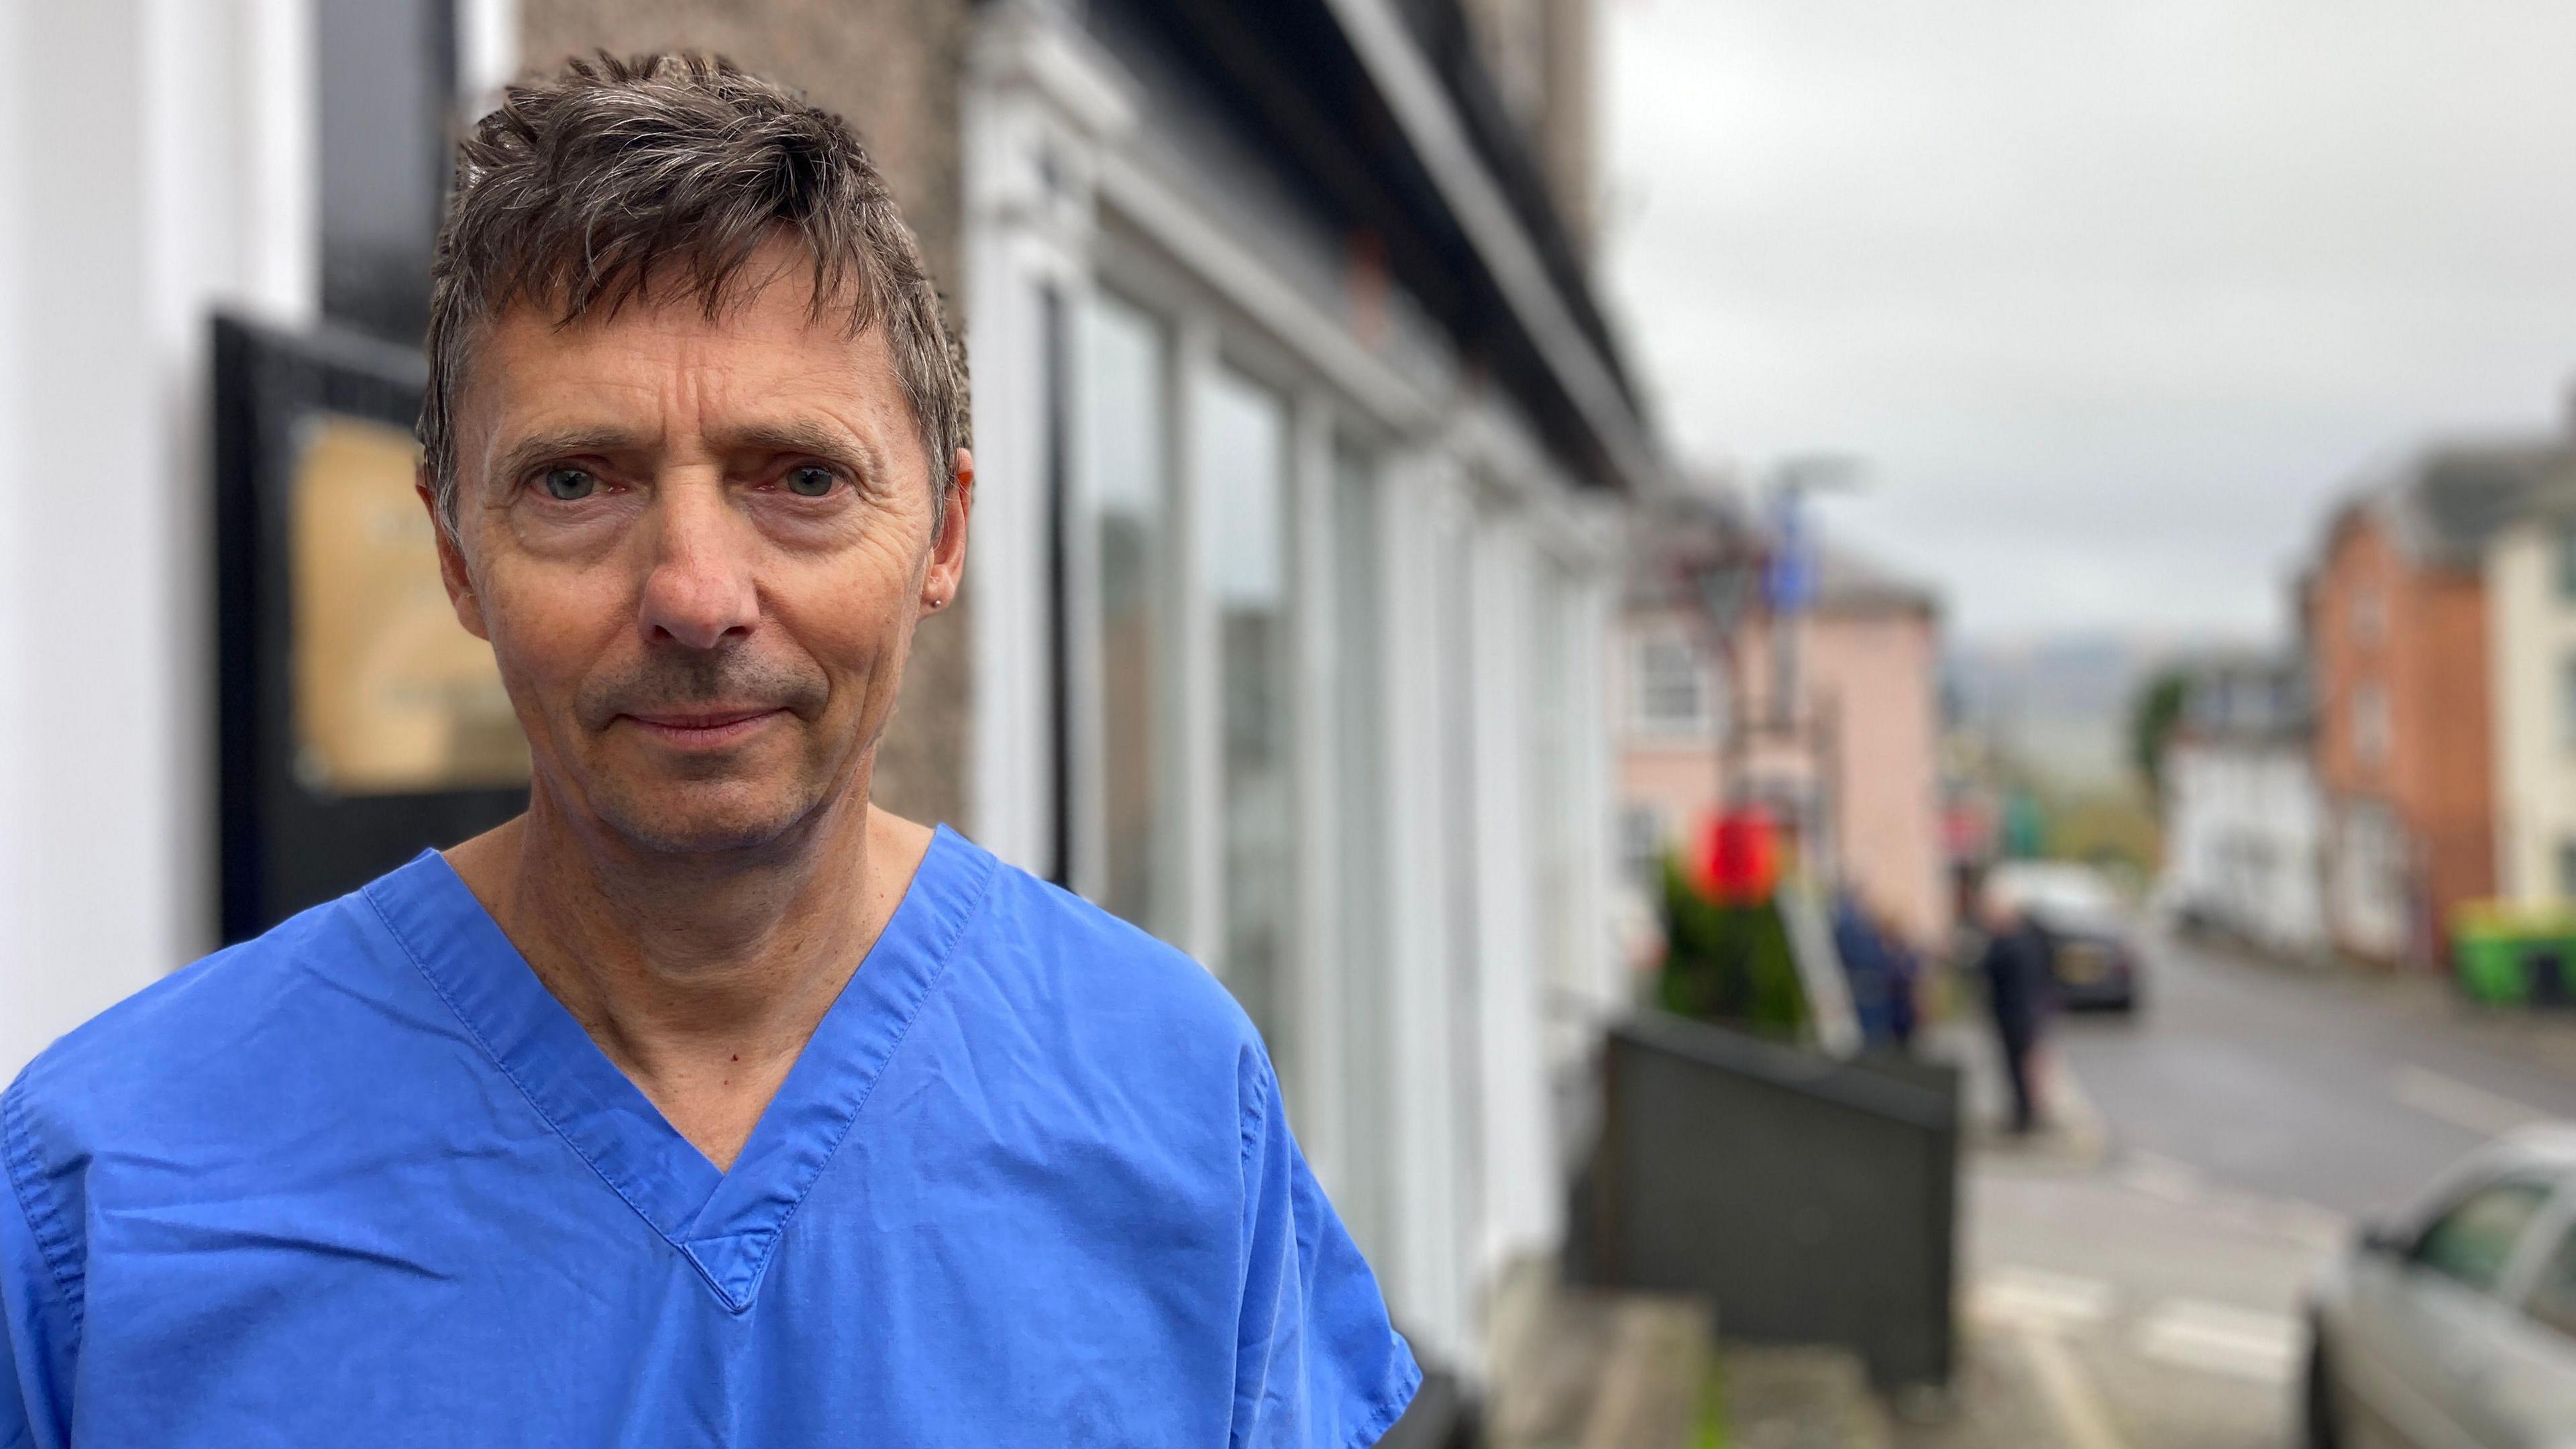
{"type": "Point", "coordinates": [810, 482]}
{"type": "Point", "coordinates": [570, 484]}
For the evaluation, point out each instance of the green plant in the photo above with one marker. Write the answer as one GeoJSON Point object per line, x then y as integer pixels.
{"type": "Point", "coordinates": [2154, 713]}
{"type": "Point", "coordinates": [1728, 962]}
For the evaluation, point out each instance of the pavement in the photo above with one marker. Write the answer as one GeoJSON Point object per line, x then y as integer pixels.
{"type": "Point", "coordinates": [1586, 1368]}
{"type": "Point", "coordinates": [2134, 1276]}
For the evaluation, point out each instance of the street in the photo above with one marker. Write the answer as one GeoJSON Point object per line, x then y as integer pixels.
{"type": "Point", "coordinates": [2134, 1277]}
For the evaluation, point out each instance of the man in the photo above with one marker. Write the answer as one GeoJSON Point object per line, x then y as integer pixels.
{"type": "Point", "coordinates": [2015, 968]}
{"type": "Point", "coordinates": [704, 1103]}
{"type": "Point", "coordinates": [1878, 967]}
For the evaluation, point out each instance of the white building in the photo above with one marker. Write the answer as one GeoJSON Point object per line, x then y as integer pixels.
{"type": "Point", "coordinates": [1334, 616]}
{"type": "Point", "coordinates": [2531, 651]}
{"type": "Point", "coordinates": [1303, 457]}
{"type": "Point", "coordinates": [2243, 817]}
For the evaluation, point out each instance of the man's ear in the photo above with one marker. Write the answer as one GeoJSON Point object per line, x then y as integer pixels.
{"type": "Point", "coordinates": [947, 569]}
{"type": "Point", "coordinates": [451, 560]}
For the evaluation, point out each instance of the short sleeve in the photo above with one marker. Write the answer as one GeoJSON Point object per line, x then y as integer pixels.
{"type": "Point", "coordinates": [37, 1319]}
{"type": "Point", "coordinates": [1317, 1364]}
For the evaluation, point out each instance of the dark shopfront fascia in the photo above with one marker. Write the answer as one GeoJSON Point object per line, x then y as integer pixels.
{"type": "Point", "coordinates": [357, 723]}
{"type": "Point", "coordinates": [331, 776]}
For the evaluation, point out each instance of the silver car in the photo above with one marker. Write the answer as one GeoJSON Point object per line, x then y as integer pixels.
{"type": "Point", "coordinates": [2454, 1327]}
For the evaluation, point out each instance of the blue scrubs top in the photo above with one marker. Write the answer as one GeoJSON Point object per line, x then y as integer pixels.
{"type": "Point", "coordinates": [364, 1181]}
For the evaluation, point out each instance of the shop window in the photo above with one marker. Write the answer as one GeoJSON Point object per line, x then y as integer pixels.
{"type": "Point", "coordinates": [388, 116]}
{"type": "Point", "coordinates": [1358, 948]}
{"type": "Point", "coordinates": [1241, 474]}
{"type": "Point", "coordinates": [1126, 482]}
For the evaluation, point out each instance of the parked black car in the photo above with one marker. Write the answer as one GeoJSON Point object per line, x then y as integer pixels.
{"type": "Point", "coordinates": [2093, 956]}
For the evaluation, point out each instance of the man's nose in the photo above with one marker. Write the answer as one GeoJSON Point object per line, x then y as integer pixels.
{"type": "Point", "coordinates": [699, 590]}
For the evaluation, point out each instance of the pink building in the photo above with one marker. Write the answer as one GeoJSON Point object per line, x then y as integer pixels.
{"type": "Point", "coordinates": [1854, 764]}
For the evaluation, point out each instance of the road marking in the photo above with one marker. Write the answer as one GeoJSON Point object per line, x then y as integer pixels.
{"type": "Point", "coordinates": [2035, 1298]}
{"type": "Point", "coordinates": [2260, 1348]}
{"type": "Point", "coordinates": [2461, 1105]}
{"type": "Point", "coordinates": [2081, 1414]}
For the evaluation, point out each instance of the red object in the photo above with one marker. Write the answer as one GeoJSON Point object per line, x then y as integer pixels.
{"type": "Point", "coordinates": [1739, 859]}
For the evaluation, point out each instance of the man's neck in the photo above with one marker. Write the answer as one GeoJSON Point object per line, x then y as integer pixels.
{"type": "Point", "coordinates": [701, 977]}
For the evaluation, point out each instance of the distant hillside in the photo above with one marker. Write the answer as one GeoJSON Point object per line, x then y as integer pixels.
{"type": "Point", "coordinates": [2058, 706]}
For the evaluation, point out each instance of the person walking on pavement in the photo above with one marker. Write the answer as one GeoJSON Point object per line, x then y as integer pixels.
{"type": "Point", "coordinates": [2015, 969]}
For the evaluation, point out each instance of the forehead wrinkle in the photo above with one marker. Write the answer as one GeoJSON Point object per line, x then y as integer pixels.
{"type": "Point", "coordinates": [817, 394]}
{"type": "Point", "coordinates": [722, 383]}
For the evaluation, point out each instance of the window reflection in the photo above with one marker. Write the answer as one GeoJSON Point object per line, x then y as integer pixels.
{"type": "Point", "coordinates": [1358, 949]}
{"type": "Point", "coordinates": [1126, 473]}
{"type": "Point", "coordinates": [1241, 472]}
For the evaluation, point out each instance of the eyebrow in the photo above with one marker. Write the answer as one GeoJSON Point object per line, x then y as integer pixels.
{"type": "Point", "coordinates": [536, 448]}
{"type": "Point", "coordinates": [796, 435]}
{"type": "Point", "coordinates": [784, 436]}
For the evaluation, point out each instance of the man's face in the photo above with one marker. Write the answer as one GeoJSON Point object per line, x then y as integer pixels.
{"type": "Point", "coordinates": [698, 548]}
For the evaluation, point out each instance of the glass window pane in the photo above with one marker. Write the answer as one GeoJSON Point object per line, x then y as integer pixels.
{"type": "Point", "coordinates": [2475, 1240]}
{"type": "Point", "coordinates": [1242, 475]}
{"type": "Point", "coordinates": [1359, 951]}
{"type": "Point", "coordinates": [387, 72]}
{"type": "Point", "coordinates": [1125, 482]}
{"type": "Point", "coordinates": [2553, 1297]}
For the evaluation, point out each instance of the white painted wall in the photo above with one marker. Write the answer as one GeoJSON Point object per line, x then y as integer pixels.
{"type": "Point", "coordinates": [1516, 1108]}
{"type": "Point", "coordinates": [2532, 639]}
{"type": "Point", "coordinates": [1426, 1271]}
{"type": "Point", "coordinates": [1438, 1123]}
{"type": "Point", "coordinates": [2245, 841]}
{"type": "Point", "coordinates": [161, 166]}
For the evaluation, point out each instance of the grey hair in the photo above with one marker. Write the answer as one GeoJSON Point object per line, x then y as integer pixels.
{"type": "Point", "coordinates": [590, 189]}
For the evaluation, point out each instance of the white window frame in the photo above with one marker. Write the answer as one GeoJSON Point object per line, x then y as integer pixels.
{"type": "Point", "coordinates": [1662, 644]}
{"type": "Point", "coordinates": [2373, 726]}
{"type": "Point", "coordinates": [1058, 199]}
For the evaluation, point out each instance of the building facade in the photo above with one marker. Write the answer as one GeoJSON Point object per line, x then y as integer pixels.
{"type": "Point", "coordinates": [1303, 458]}
{"type": "Point", "coordinates": [1853, 762]}
{"type": "Point", "coordinates": [2531, 643]}
{"type": "Point", "coordinates": [1330, 586]}
{"type": "Point", "coordinates": [2396, 622]}
{"type": "Point", "coordinates": [2244, 825]}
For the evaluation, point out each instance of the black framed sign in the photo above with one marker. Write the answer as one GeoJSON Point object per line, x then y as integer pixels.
{"type": "Point", "coordinates": [359, 721]}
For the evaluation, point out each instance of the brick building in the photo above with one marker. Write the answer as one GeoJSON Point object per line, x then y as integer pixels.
{"type": "Point", "coordinates": [2395, 616]}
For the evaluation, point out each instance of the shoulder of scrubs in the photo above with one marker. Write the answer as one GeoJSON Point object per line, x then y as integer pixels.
{"type": "Point", "coordinates": [1318, 1366]}
{"type": "Point", "coordinates": [39, 1298]}
{"type": "Point", "coordinates": [173, 1078]}
{"type": "Point", "coordinates": [1110, 1024]}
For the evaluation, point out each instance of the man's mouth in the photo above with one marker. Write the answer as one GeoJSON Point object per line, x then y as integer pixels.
{"type": "Point", "coordinates": [708, 729]}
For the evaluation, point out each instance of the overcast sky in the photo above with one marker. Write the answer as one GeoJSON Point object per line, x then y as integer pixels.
{"type": "Point", "coordinates": [2113, 295]}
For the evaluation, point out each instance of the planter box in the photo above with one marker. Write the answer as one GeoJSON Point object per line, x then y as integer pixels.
{"type": "Point", "coordinates": [1810, 1200]}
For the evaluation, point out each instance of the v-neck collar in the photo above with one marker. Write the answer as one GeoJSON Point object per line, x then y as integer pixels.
{"type": "Point", "coordinates": [726, 1223]}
